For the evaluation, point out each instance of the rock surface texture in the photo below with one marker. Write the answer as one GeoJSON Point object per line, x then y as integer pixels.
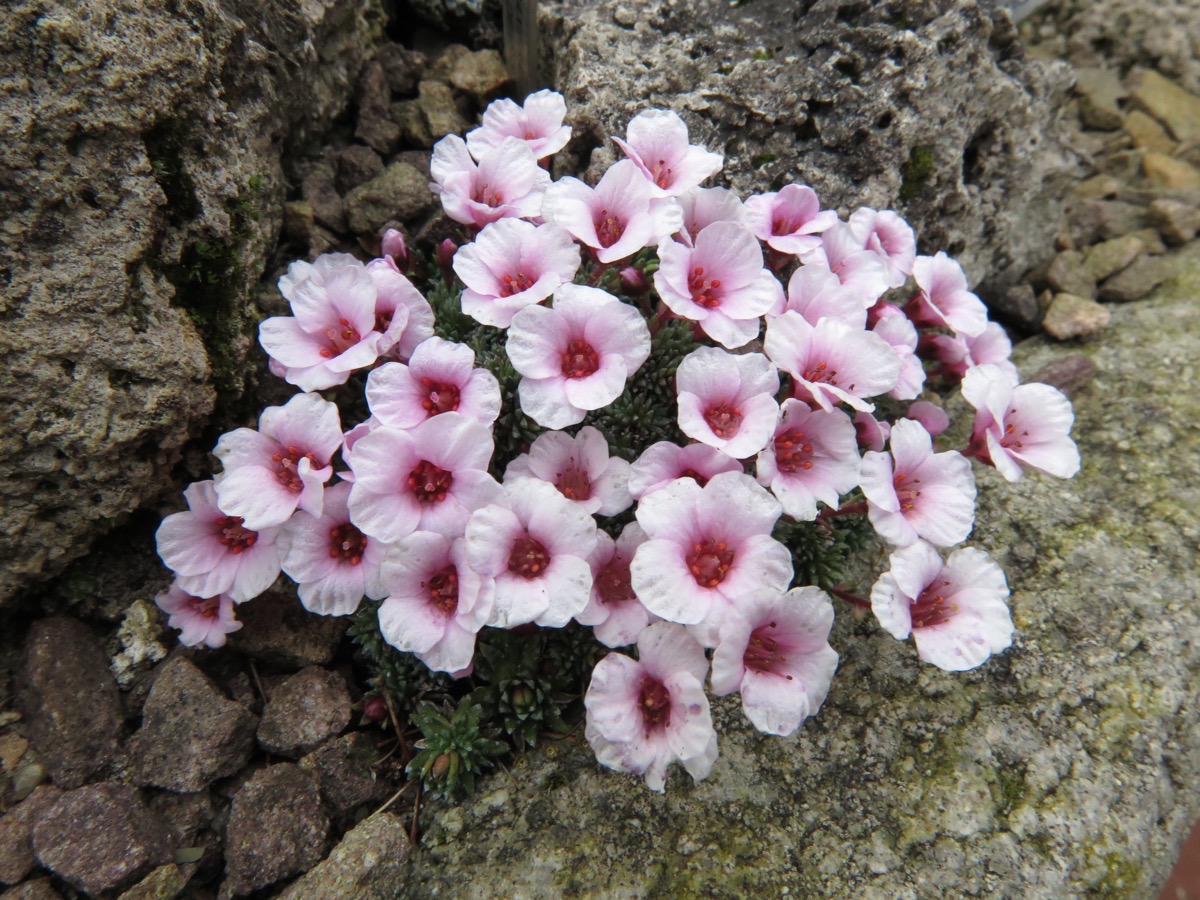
{"type": "Point", "coordinates": [140, 180]}
{"type": "Point", "coordinates": [929, 109]}
{"type": "Point", "coordinates": [1065, 767]}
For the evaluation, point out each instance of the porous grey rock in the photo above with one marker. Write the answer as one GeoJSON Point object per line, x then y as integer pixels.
{"type": "Point", "coordinates": [930, 109]}
{"type": "Point", "coordinates": [67, 693]}
{"type": "Point", "coordinates": [140, 185]}
{"type": "Point", "coordinates": [191, 734]}
{"type": "Point", "coordinates": [100, 837]}
{"type": "Point", "coordinates": [370, 863]}
{"type": "Point", "coordinates": [277, 828]}
{"type": "Point", "coordinates": [304, 711]}
{"type": "Point", "coordinates": [1065, 767]}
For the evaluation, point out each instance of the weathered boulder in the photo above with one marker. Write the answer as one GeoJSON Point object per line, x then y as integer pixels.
{"type": "Point", "coordinates": [931, 109]}
{"type": "Point", "coordinates": [1066, 767]}
{"type": "Point", "coordinates": [140, 187]}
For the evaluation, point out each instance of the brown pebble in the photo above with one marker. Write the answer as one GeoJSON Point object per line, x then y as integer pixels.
{"type": "Point", "coordinates": [1068, 374]}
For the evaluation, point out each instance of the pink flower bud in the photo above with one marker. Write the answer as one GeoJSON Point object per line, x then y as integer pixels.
{"type": "Point", "coordinates": [634, 281]}
{"type": "Point", "coordinates": [445, 260]}
{"type": "Point", "coordinates": [375, 709]}
{"type": "Point", "coordinates": [393, 245]}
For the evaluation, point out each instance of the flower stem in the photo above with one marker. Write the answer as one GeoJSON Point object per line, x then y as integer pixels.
{"type": "Point", "coordinates": [850, 597]}
{"type": "Point", "coordinates": [850, 509]}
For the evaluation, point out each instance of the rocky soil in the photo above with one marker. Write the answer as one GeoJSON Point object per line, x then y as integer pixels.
{"type": "Point", "coordinates": [130, 767]}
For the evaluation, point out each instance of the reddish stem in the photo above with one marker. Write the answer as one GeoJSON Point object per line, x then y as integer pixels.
{"type": "Point", "coordinates": [850, 597]}
{"type": "Point", "coordinates": [850, 509]}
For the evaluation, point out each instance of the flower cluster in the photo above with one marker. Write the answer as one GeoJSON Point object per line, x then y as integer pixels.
{"type": "Point", "coordinates": [808, 398]}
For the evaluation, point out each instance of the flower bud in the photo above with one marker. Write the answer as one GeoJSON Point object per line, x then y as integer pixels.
{"type": "Point", "coordinates": [445, 260]}
{"type": "Point", "coordinates": [634, 281]}
{"type": "Point", "coordinates": [443, 764]}
{"type": "Point", "coordinates": [375, 708]}
{"type": "Point", "coordinates": [522, 698]}
{"type": "Point", "coordinates": [393, 245]}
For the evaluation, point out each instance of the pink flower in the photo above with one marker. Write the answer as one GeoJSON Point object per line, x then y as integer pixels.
{"type": "Point", "coordinates": [428, 478]}
{"type": "Point", "coordinates": [575, 356]}
{"type": "Point", "coordinates": [331, 331]}
{"type": "Point", "coordinates": [916, 493]}
{"type": "Point", "coordinates": [789, 220]}
{"type": "Point", "coordinates": [657, 143]}
{"type": "Point", "coordinates": [890, 237]}
{"type": "Point", "coordinates": [708, 549]}
{"type": "Point", "coordinates": [944, 300]}
{"type": "Point", "coordinates": [506, 182]}
{"type": "Point", "coordinates": [213, 553]}
{"type": "Point", "coordinates": [394, 250]}
{"type": "Point", "coordinates": [901, 336]}
{"type": "Point", "coordinates": [720, 283]}
{"type": "Point", "coordinates": [536, 546]}
{"type": "Point", "coordinates": [333, 562]}
{"type": "Point", "coordinates": [402, 315]}
{"type": "Point", "coordinates": [349, 439]}
{"type": "Point", "coordinates": [955, 612]}
{"type": "Point", "coordinates": [812, 459]}
{"type": "Point", "coordinates": [282, 467]}
{"type": "Point", "coordinates": [1027, 425]}
{"type": "Point", "coordinates": [704, 206]}
{"type": "Point", "coordinates": [872, 433]}
{"type": "Point", "coordinates": [727, 401]}
{"type": "Point", "coordinates": [511, 265]}
{"type": "Point", "coordinates": [662, 463]}
{"type": "Point", "coordinates": [539, 123]}
{"type": "Point", "coordinates": [440, 377]}
{"type": "Point", "coordinates": [436, 603]}
{"type": "Point", "coordinates": [857, 268]}
{"type": "Point", "coordinates": [931, 416]}
{"type": "Point", "coordinates": [815, 292]}
{"type": "Point", "coordinates": [617, 218]}
{"type": "Point", "coordinates": [774, 648]}
{"type": "Point", "coordinates": [616, 615]}
{"type": "Point", "coordinates": [832, 362]}
{"type": "Point", "coordinates": [201, 620]}
{"type": "Point", "coordinates": [957, 353]}
{"type": "Point", "coordinates": [644, 715]}
{"type": "Point", "coordinates": [579, 468]}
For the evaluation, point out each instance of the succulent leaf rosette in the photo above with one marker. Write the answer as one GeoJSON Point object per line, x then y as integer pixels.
{"type": "Point", "coordinates": [643, 407]}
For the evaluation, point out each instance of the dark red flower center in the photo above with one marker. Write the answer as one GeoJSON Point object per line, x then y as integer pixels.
{"type": "Point", "coordinates": [510, 285]}
{"type": "Point", "coordinates": [528, 558]}
{"type": "Point", "coordinates": [724, 419]}
{"type": "Point", "coordinates": [347, 542]}
{"type": "Point", "coordinates": [339, 338]}
{"type": "Point", "coordinates": [609, 228]}
{"type": "Point", "coordinates": [488, 196]}
{"type": "Point", "coordinates": [287, 464]}
{"type": "Point", "coordinates": [429, 483]}
{"type": "Point", "coordinates": [701, 480]}
{"type": "Point", "coordinates": [443, 589]}
{"type": "Point", "coordinates": [792, 452]}
{"type": "Point", "coordinates": [231, 534]}
{"type": "Point", "coordinates": [654, 700]}
{"type": "Point", "coordinates": [573, 482]}
{"type": "Point", "coordinates": [709, 562]}
{"type": "Point", "coordinates": [704, 293]}
{"type": "Point", "coordinates": [764, 653]}
{"type": "Point", "coordinates": [614, 583]}
{"type": "Point", "coordinates": [208, 607]}
{"type": "Point", "coordinates": [440, 396]}
{"type": "Point", "coordinates": [931, 607]}
{"type": "Point", "coordinates": [579, 360]}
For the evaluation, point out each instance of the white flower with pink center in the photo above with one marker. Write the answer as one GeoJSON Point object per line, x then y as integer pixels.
{"type": "Point", "coordinates": [506, 182]}
{"type": "Point", "coordinates": [539, 123]}
{"type": "Point", "coordinates": [428, 478]}
{"type": "Point", "coordinates": [956, 353]}
{"type": "Point", "coordinates": [333, 562]}
{"type": "Point", "coordinates": [705, 206]}
{"type": "Point", "coordinates": [440, 378]}
{"type": "Point", "coordinates": [575, 356]}
{"type": "Point", "coordinates": [402, 315]}
{"type": "Point", "coordinates": [579, 468]}
{"type": "Point", "coordinates": [213, 553]}
{"type": "Point", "coordinates": [656, 141]}
{"type": "Point", "coordinates": [890, 237]}
{"type": "Point", "coordinates": [331, 331]}
{"type": "Point", "coordinates": [812, 459]}
{"type": "Point", "coordinates": [200, 620]}
{"type": "Point", "coordinates": [901, 336]}
{"type": "Point", "coordinates": [511, 265]}
{"type": "Point", "coordinates": [913, 493]}
{"type": "Point", "coordinates": [620, 216]}
{"type": "Point", "coordinates": [282, 467]}
{"type": "Point", "coordinates": [536, 546]}
{"type": "Point", "coordinates": [720, 283]}
{"type": "Point", "coordinates": [662, 463]}
{"type": "Point", "coordinates": [1020, 426]}
{"type": "Point", "coordinates": [708, 549]}
{"type": "Point", "coordinates": [857, 268]}
{"type": "Point", "coordinates": [435, 603]}
{"type": "Point", "coordinates": [727, 400]}
{"type": "Point", "coordinates": [944, 300]}
{"type": "Point", "coordinates": [832, 362]}
{"type": "Point", "coordinates": [955, 611]}
{"type": "Point", "coordinates": [774, 649]}
{"type": "Point", "coordinates": [614, 612]}
{"type": "Point", "coordinates": [815, 293]}
{"type": "Point", "coordinates": [789, 220]}
{"type": "Point", "coordinates": [644, 714]}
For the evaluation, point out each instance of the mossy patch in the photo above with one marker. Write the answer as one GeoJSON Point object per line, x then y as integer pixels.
{"type": "Point", "coordinates": [916, 172]}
